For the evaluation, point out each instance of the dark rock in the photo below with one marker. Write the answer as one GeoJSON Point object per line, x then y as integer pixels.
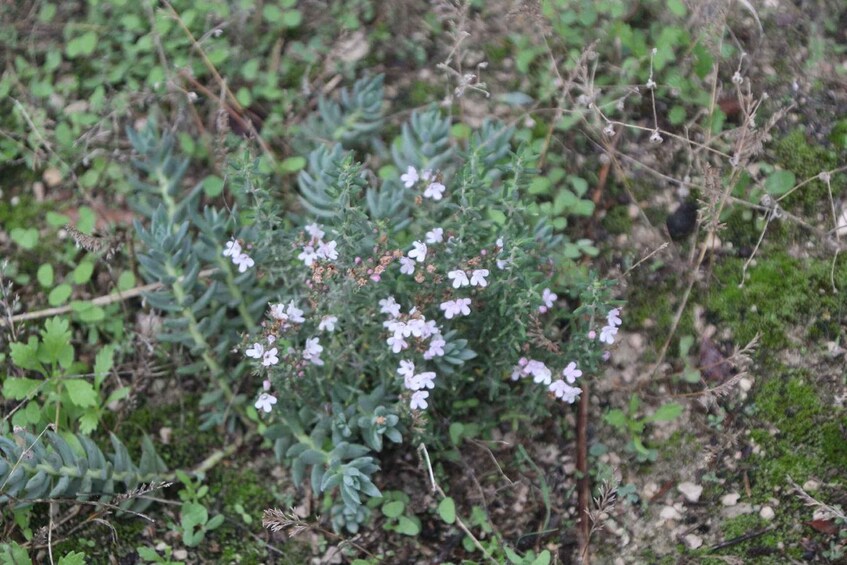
{"type": "Point", "coordinates": [682, 222]}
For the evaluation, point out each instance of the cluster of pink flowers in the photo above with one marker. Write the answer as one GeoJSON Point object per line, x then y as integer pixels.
{"type": "Point", "coordinates": [541, 374]}
{"type": "Point", "coordinates": [287, 318]}
{"type": "Point", "coordinates": [316, 249]}
{"type": "Point", "coordinates": [432, 188]}
{"type": "Point", "coordinates": [416, 382]}
{"type": "Point", "coordinates": [239, 258]}
{"type": "Point", "coordinates": [408, 326]}
{"type": "Point", "coordinates": [426, 333]}
{"type": "Point", "coordinates": [610, 330]}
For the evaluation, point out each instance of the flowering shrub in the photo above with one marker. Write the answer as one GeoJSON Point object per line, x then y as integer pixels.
{"type": "Point", "coordinates": [390, 325]}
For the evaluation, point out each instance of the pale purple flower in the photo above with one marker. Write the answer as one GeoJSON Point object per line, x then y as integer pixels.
{"type": "Point", "coordinates": [407, 266]}
{"type": "Point", "coordinates": [312, 351]}
{"type": "Point", "coordinates": [271, 339]}
{"type": "Point", "coordinates": [389, 306]}
{"type": "Point", "coordinates": [426, 174]}
{"type": "Point", "coordinates": [314, 230]}
{"type": "Point", "coordinates": [459, 278]}
{"type": "Point", "coordinates": [539, 371]}
{"type": "Point", "coordinates": [294, 313]}
{"type": "Point", "coordinates": [256, 351]}
{"type": "Point", "coordinates": [429, 329]}
{"type": "Point", "coordinates": [478, 278]}
{"type": "Point", "coordinates": [265, 402]}
{"type": "Point", "coordinates": [455, 307]}
{"type": "Point", "coordinates": [435, 235]}
{"type": "Point", "coordinates": [266, 385]}
{"type": "Point", "coordinates": [277, 312]}
{"type": "Point", "coordinates": [416, 327]}
{"type": "Point", "coordinates": [406, 369]}
{"type": "Point", "coordinates": [548, 298]}
{"type": "Point", "coordinates": [243, 261]}
{"type": "Point", "coordinates": [425, 380]}
{"type": "Point", "coordinates": [613, 317]}
{"type": "Point", "coordinates": [592, 334]}
{"type": "Point", "coordinates": [435, 190]}
{"type": "Point", "coordinates": [326, 250]}
{"type": "Point", "coordinates": [270, 357]}
{"type": "Point", "coordinates": [397, 343]}
{"type": "Point", "coordinates": [419, 400]}
{"type": "Point", "coordinates": [499, 243]}
{"type": "Point", "coordinates": [419, 252]}
{"type": "Point", "coordinates": [328, 323]}
{"type": "Point", "coordinates": [502, 264]}
{"type": "Point", "coordinates": [410, 178]}
{"type": "Point", "coordinates": [233, 248]}
{"type": "Point", "coordinates": [396, 327]}
{"type": "Point", "coordinates": [308, 255]}
{"type": "Point", "coordinates": [436, 348]}
{"type": "Point", "coordinates": [571, 373]}
{"type": "Point", "coordinates": [607, 334]}
{"type": "Point", "coordinates": [564, 391]}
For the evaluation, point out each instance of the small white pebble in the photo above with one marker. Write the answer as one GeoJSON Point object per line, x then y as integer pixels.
{"type": "Point", "coordinates": [811, 485]}
{"type": "Point", "coordinates": [767, 513]}
{"type": "Point", "coordinates": [670, 513]}
{"type": "Point", "coordinates": [730, 499]}
{"type": "Point", "coordinates": [691, 491]}
{"type": "Point", "coordinates": [693, 541]}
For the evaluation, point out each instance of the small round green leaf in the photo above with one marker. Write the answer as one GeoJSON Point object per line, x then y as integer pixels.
{"type": "Point", "coordinates": [126, 280]}
{"type": "Point", "coordinates": [213, 186]}
{"type": "Point", "coordinates": [408, 526]}
{"type": "Point", "coordinates": [780, 182]}
{"type": "Point", "coordinates": [447, 510]}
{"type": "Point", "coordinates": [45, 275]}
{"type": "Point", "coordinates": [292, 164]}
{"type": "Point", "coordinates": [59, 295]}
{"type": "Point", "coordinates": [83, 271]}
{"type": "Point", "coordinates": [25, 237]}
{"type": "Point", "coordinates": [393, 509]}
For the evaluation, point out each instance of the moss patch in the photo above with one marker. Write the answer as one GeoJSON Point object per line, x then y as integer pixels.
{"type": "Point", "coordinates": [780, 294]}
{"type": "Point", "coordinates": [794, 153]}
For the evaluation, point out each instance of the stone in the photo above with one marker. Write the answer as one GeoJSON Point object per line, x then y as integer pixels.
{"type": "Point", "coordinates": [767, 513]}
{"type": "Point", "coordinates": [730, 499]}
{"type": "Point", "coordinates": [670, 513]}
{"type": "Point", "coordinates": [693, 541]}
{"type": "Point", "coordinates": [691, 491]}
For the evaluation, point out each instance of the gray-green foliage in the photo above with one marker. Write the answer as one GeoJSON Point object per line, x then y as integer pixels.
{"type": "Point", "coordinates": [355, 118]}
{"type": "Point", "coordinates": [206, 301]}
{"type": "Point", "coordinates": [334, 447]}
{"type": "Point", "coordinates": [424, 142]}
{"type": "Point", "coordinates": [335, 438]}
{"type": "Point", "coordinates": [32, 469]}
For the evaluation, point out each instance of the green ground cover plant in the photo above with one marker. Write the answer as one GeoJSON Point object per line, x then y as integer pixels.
{"type": "Point", "coordinates": [459, 282]}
